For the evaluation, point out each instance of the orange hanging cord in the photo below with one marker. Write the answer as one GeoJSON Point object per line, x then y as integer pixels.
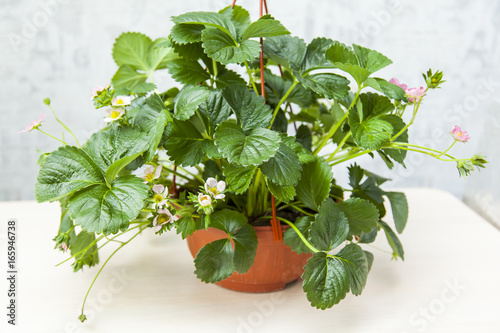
{"type": "Point", "coordinates": [275, 223]}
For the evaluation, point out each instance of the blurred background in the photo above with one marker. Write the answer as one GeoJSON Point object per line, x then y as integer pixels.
{"type": "Point", "coordinates": [61, 49]}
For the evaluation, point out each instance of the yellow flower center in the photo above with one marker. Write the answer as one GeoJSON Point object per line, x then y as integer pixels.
{"type": "Point", "coordinates": [162, 218]}
{"type": "Point", "coordinates": [115, 114]}
{"type": "Point", "coordinates": [120, 101]}
{"type": "Point", "coordinates": [149, 177]}
{"type": "Point", "coordinates": [213, 190]}
{"type": "Point", "coordinates": [158, 198]}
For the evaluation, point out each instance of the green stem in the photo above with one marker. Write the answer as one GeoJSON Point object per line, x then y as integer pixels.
{"type": "Point", "coordinates": [103, 265]}
{"type": "Point", "coordinates": [251, 78]}
{"type": "Point", "coordinates": [347, 158]}
{"type": "Point", "coordinates": [300, 210]}
{"type": "Point", "coordinates": [452, 159]}
{"type": "Point", "coordinates": [53, 137]}
{"type": "Point", "coordinates": [334, 129]}
{"type": "Point", "coordinates": [341, 144]}
{"type": "Point", "coordinates": [444, 152]}
{"type": "Point", "coordinates": [283, 99]}
{"type": "Point", "coordinates": [306, 242]}
{"type": "Point", "coordinates": [64, 126]}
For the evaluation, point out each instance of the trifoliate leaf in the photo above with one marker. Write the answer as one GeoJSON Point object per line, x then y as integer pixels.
{"type": "Point", "coordinates": [222, 48]}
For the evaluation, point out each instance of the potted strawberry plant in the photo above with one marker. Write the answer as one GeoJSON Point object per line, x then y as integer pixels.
{"type": "Point", "coordinates": [240, 158]}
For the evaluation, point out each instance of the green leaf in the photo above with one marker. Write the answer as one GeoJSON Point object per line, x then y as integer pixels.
{"type": "Point", "coordinates": [143, 88]}
{"type": "Point", "coordinates": [398, 155]}
{"type": "Point", "coordinates": [227, 77]}
{"type": "Point", "coordinates": [188, 100]}
{"type": "Point", "coordinates": [370, 59]}
{"type": "Point", "coordinates": [131, 49]}
{"type": "Point", "coordinates": [390, 90]}
{"type": "Point", "coordinates": [355, 175]}
{"type": "Point", "coordinates": [192, 51]}
{"type": "Point", "coordinates": [217, 260]}
{"type": "Point", "coordinates": [222, 48]}
{"type": "Point", "coordinates": [187, 71]}
{"type": "Point", "coordinates": [239, 16]}
{"type": "Point", "coordinates": [291, 238]}
{"type": "Point", "coordinates": [64, 172]}
{"type": "Point", "coordinates": [282, 193]}
{"type": "Point", "coordinates": [266, 26]}
{"type": "Point", "coordinates": [357, 268]}
{"type": "Point", "coordinates": [277, 87]}
{"type": "Point", "coordinates": [361, 214]}
{"type": "Point", "coordinates": [215, 108]}
{"type": "Point", "coordinates": [330, 227]}
{"type": "Point", "coordinates": [284, 168]}
{"type": "Point", "coordinates": [152, 117]}
{"type": "Point", "coordinates": [186, 33]}
{"type": "Point", "coordinates": [326, 281]}
{"type": "Point", "coordinates": [399, 206]}
{"type": "Point", "coordinates": [314, 185]}
{"type": "Point", "coordinates": [345, 59]}
{"type": "Point", "coordinates": [102, 209]}
{"type": "Point", "coordinates": [186, 226]}
{"type": "Point", "coordinates": [286, 50]}
{"type": "Point", "coordinates": [211, 19]}
{"type": "Point", "coordinates": [370, 191]}
{"type": "Point", "coordinates": [89, 257]}
{"type": "Point", "coordinates": [326, 84]}
{"type": "Point", "coordinates": [393, 240]}
{"type": "Point", "coordinates": [113, 148]}
{"type": "Point", "coordinates": [316, 55]}
{"type": "Point", "coordinates": [304, 155]}
{"type": "Point", "coordinates": [184, 143]}
{"type": "Point", "coordinates": [375, 105]}
{"type": "Point", "coordinates": [238, 178]}
{"type": "Point", "coordinates": [127, 77]}
{"type": "Point", "coordinates": [250, 109]}
{"type": "Point", "coordinates": [253, 148]}
{"type": "Point", "coordinates": [304, 137]}
{"type": "Point", "coordinates": [214, 261]}
{"type": "Point", "coordinates": [159, 55]}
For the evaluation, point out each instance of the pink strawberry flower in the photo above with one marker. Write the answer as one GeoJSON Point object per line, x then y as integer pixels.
{"type": "Point", "coordinates": [33, 125]}
{"type": "Point", "coordinates": [399, 84]}
{"type": "Point", "coordinates": [414, 94]}
{"type": "Point", "coordinates": [459, 135]}
{"type": "Point", "coordinates": [97, 90]}
{"type": "Point", "coordinates": [164, 216]}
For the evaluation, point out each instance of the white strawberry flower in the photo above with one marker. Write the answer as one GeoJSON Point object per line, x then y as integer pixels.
{"type": "Point", "coordinates": [215, 188]}
{"type": "Point", "coordinates": [161, 195]}
{"type": "Point", "coordinates": [204, 199]}
{"type": "Point", "coordinates": [164, 216]}
{"type": "Point", "coordinates": [151, 173]}
{"type": "Point", "coordinates": [113, 114]}
{"type": "Point", "coordinates": [121, 101]}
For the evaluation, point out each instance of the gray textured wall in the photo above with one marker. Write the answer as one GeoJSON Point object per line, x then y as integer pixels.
{"type": "Point", "coordinates": [62, 48]}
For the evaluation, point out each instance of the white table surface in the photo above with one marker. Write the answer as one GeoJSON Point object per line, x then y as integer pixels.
{"type": "Point", "coordinates": [449, 282]}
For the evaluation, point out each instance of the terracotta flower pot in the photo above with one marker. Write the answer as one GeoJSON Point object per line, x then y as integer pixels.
{"type": "Point", "coordinates": [275, 263]}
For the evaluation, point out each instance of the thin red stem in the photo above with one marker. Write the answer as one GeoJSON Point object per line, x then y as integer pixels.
{"type": "Point", "coordinates": [173, 189]}
{"type": "Point", "coordinates": [265, 5]}
{"type": "Point", "coordinates": [275, 223]}
{"type": "Point", "coordinates": [234, 2]}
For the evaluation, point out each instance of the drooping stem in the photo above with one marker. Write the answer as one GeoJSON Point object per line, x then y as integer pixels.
{"type": "Point", "coordinates": [64, 126]}
{"type": "Point", "coordinates": [51, 136]}
{"type": "Point", "coordinates": [173, 188]}
{"type": "Point", "coordinates": [102, 267]}
{"type": "Point", "coordinates": [301, 236]}
{"type": "Point", "coordinates": [444, 152]}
